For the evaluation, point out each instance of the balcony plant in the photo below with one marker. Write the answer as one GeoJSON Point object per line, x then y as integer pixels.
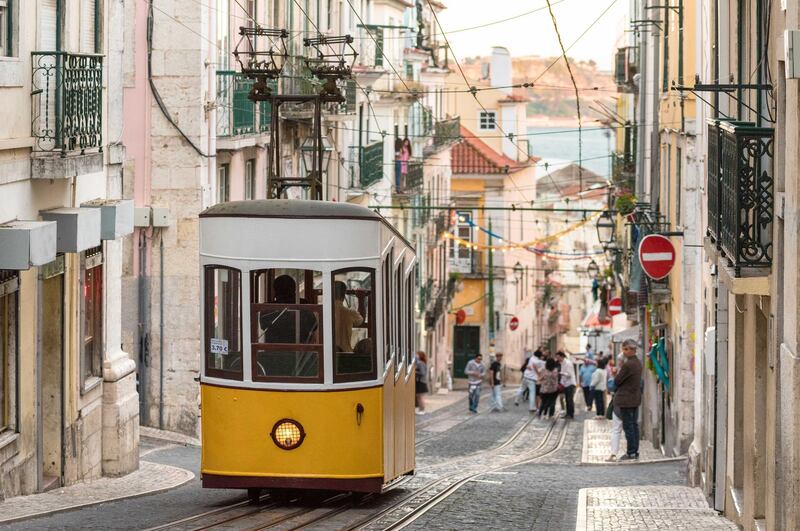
{"type": "Point", "coordinates": [626, 204]}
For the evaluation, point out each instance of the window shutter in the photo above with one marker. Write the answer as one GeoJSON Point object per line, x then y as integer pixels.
{"type": "Point", "coordinates": [88, 25]}
{"type": "Point", "coordinates": [47, 25]}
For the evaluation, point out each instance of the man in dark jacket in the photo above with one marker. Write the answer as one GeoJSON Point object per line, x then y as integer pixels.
{"type": "Point", "coordinates": [628, 397]}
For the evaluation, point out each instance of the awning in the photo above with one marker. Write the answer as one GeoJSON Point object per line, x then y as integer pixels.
{"type": "Point", "coordinates": [628, 333]}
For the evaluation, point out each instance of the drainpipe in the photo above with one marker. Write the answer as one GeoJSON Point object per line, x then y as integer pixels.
{"type": "Point", "coordinates": [143, 327]}
{"type": "Point", "coordinates": [161, 333]}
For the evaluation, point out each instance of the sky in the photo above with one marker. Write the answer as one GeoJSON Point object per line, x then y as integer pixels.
{"type": "Point", "coordinates": [533, 34]}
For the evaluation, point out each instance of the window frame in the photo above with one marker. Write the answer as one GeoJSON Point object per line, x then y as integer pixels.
{"type": "Point", "coordinates": [94, 263]}
{"type": "Point", "coordinates": [409, 308]}
{"type": "Point", "coordinates": [372, 329]}
{"type": "Point", "coordinates": [487, 120]}
{"type": "Point", "coordinates": [387, 307]}
{"type": "Point", "coordinates": [9, 402]}
{"type": "Point", "coordinates": [223, 169]}
{"type": "Point", "coordinates": [208, 304]}
{"type": "Point", "coordinates": [301, 347]}
{"type": "Point", "coordinates": [250, 179]}
{"type": "Point", "coordinates": [397, 317]}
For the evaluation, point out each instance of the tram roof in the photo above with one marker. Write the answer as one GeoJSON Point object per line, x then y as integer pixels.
{"type": "Point", "coordinates": [289, 208]}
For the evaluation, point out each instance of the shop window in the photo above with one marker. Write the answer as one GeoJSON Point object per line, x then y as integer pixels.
{"type": "Point", "coordinates": [8, 351]}
{"type": "Point", "coordinates": [286, 325]}
{"type": "Point", "coordinates": [92, 309]}
{"type": "Point", "coordinates": [353, 325]}
{"type": "Point", "coordinates": [223, 322]}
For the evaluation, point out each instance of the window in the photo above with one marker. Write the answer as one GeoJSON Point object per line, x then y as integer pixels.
{"type": "Point", "coordinates": [6, 28]}
{"type": "Point", "coordinates": [223, 322]}
{"type": "Point", "coordinates": [89, 27]}
{"type": "Point", "coordinates": [223, 185]}
{"type": "Point", "coordinates": [461, 254]}
{"type": "Point", "coordinates": [400, 314]}
{"type": "Point", "coordinates": [92, 308]}
{"type": "Point", "coordinates": [286, 325]}
{"type": "Point", "coordinates": [8, 351]}
{"type": "Point", "coordinates": [410, 327]}
{"type": "Point", "coordinates": [250, 179]}
{"type": "Point", "coordinates": [353, 325]}
{"type": "Point", "coordinates": [387, 311]}
{"type": "Point", "coordinates": [487, 120]}
{"type": "Point", "coordinates": [678, 178]}
{"type": "Point", "coordinates": [223, 34]}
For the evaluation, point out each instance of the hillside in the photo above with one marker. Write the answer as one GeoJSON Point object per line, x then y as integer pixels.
{"type": "Point", "coordinates": [552, 97]}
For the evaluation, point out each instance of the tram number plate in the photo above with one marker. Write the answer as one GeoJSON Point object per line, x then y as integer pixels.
{"type": "Point", "coordinates": [219, 346]}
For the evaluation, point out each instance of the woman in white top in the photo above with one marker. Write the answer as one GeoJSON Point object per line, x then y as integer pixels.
{"type": "Point", "coordinates": [598, 386]}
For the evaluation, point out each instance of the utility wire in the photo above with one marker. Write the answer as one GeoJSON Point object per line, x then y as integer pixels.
{"type": "Point", "coordinates": [577, 95]}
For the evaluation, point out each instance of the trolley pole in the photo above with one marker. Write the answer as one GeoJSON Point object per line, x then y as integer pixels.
{"type": "Point", "coordinates": [491, 287]}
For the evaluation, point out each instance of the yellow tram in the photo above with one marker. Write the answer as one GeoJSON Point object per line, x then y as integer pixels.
{"type": "Point", "coordinates": [308, 334]}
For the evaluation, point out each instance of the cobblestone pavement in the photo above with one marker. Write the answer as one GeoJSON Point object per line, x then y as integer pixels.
{"type": "Point", "coordinates": [597, 444]}
{"type": "Point", "coordinates": [496, 470]}
{"type": "Point", "coordinates": [647, 507]}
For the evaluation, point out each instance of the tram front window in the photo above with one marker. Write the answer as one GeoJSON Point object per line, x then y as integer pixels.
{"type": "Point", "coordinates": [353, 330]}
{"type": "Point", "coordinates": [286, 327]}
{"type": "Point", "coordinates": [223, 329]}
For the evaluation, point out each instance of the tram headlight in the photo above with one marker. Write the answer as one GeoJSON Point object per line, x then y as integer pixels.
{"type": "Point", "coordinates": [287, 434]}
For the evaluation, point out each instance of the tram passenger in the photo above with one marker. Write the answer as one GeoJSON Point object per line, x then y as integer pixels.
{"type": "Point", "coordinates": [280, 326]}
{"type": "Point", "coordinates": [344, 318]}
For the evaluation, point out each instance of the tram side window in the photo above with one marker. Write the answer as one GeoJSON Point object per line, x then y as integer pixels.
{"type": "Point", "coordinates": [397, 317]}
{"type": "Point", "coordinates": [410, 313]}
{"type": "Point", "coordinates": [387, 306]}
{"type": "Point", "coordinates": [286, 325]}
{"type": "Point", "coordinates": [223, 318]}
{"type": "Point", "coordinates": [353, 325]}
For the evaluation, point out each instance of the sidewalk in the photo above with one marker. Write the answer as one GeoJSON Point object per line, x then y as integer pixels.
{"type": "Point", "coordinates": [644, 508]}
{"type": "Point", "coordinates": [597, 445]}
{"type": "Point", "coordinates": [149, 479]}
{"type": "Point", "coordinates": [443, 399]}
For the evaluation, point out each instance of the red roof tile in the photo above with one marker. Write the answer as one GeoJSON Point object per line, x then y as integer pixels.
{"type": "Point", "coordinates": [473, 155]}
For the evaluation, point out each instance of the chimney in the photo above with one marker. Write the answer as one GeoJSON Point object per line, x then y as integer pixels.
{"type": "Point", "coordinates": [501, 68]}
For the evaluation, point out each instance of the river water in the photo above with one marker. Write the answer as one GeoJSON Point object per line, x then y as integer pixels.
{"type": "Point", "coordinates": [561, 144]}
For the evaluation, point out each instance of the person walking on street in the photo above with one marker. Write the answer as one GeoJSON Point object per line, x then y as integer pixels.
{"type": "Point", "coordinates": [421, 381]}
{"type": "Point", "coordinates": [548, 388]}
{"type": "Point", "coordinates": [598, 387]}
{"type": "Point", "coordinates": [529, 379]}
{"type": "Point", "coordinates": [496, 375]}
{"type": "Point", "coordinates": [567, 382]}
{"type": "Point", "coordinates": [475, 372]}
{"type": "Point", "coordinates": [628, 397]}
{"type": "Point", "coordinates": [586, 371]}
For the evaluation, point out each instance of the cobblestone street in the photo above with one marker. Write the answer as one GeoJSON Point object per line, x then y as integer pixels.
{"type": "Point", "coordinates": [487, 471]}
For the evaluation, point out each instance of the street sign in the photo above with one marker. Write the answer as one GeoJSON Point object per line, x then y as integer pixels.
{"type": "Point", "coordinates": [513, 324]}
{"type": "Point", "coordinates": [461, 316]}
{"type": "Point", "coordinates": [657, 255]}
{"type": "Point", "coordinates": [615, 306]}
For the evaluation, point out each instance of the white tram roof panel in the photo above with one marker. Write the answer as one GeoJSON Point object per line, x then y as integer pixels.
{"type": "Point", "coordinates": [281, 229]}
{"type": "Point", "coordinates": [290, 208]}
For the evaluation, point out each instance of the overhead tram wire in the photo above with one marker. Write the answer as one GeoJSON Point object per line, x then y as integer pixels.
{"type": "Point", "coordinates": [475, 95]}
{"type": "Point", "coordinates": [577, 95]}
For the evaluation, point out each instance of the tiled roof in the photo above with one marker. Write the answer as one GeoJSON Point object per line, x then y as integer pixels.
{"type": "Point", "coordinates": [473, 155]}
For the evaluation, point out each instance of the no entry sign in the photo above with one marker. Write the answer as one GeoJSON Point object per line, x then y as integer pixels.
{"type": "Point", "coordinates": [615, 306]}
{"type": "Point", "coordinates": [657, 255]}
{"type": "Point", "coordinates": [513, 324]}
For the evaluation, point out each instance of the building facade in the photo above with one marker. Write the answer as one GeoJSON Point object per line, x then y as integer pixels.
{"type": "Point", "coordinates": [68, 399]}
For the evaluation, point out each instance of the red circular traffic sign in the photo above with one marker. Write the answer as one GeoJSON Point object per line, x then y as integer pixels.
{"type": "Point", "coordinates": [461, 316]}
{"type": "Point", "coordinates": [513, 324]}
{"type": "Point", "coordinates": [615, 306]}
{"type": "Point", "coordinates": [657, 255]}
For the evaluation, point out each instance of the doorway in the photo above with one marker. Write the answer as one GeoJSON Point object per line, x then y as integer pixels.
{"type": "Point", "coordinates": [51, 376]}
{"type": "Point", "coordinates": [466, 344]}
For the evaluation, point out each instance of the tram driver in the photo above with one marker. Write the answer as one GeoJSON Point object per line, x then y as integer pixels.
{"type": "Point", "coordinates": [345, 319]}
{"type": "Point", "coordinates": [281, 325]}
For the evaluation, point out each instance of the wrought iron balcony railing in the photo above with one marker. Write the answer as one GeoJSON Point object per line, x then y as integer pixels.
{"type": "Point", "coordinates": [740, 193]}
{"type": "Point", "coordinates": [67, 102]}
{"type": "Point", "coordinates": [366, 165]}
{"type": "Point", "coordinates": [447, 131]}
{"type": "Point", "coordinates": [414, 177]}
{"type": "Point", "coordinates": [371, 43]}
{"type": "Point", "coordinates": [236, 114]}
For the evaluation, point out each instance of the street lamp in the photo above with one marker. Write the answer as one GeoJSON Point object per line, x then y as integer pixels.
{"type": "Point", "coordinates": [308, 149]}
{"type": "Point", "coordinates": [518, 271]}
{"type": "Point", "coordinates": [606, 228]}
{"type": "Point", "coordinates": [593, 270]}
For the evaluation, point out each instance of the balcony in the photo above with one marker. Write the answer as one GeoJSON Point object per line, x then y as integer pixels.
{"type": "Point", "coordinates": [237, 116]}
{"type": "Point", "coordinates": [366, 165]}
{"type": "Point", "coordinates": [369, 65]}
{"type": "Point", "coordinates": [447, 132]}
{"type": "Point", "coordinates": [66, 114]}
{"type": "Point", "coordinates": [740, 193]}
